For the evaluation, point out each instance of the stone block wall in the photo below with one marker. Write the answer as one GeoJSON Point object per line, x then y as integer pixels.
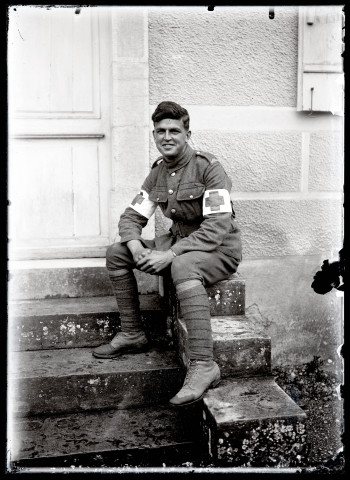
{"type": "Point", "coordinates": [231, 56]}
{"type": "Point", "coordinates": [129, 110]}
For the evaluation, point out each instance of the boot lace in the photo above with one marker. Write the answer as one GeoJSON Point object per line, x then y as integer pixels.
{"type": "Point", "coordinates": [192, 373]}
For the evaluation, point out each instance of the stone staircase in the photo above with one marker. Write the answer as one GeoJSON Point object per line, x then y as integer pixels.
{"type": "Point", "coordinates": [69, 409]}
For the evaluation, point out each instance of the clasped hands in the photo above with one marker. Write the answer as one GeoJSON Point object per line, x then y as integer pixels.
{"type": "Point", "coordinates": [151, 261]}
{"type": "Point", "coordinates": [154, 261]}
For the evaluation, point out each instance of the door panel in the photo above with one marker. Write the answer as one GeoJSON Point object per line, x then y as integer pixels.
{"type": "Point", "coordinates": [71, 208]}
{"type": "Point", "coordinates": [55, 62]}
{"type": "Point", "coordinates": [59, 119]}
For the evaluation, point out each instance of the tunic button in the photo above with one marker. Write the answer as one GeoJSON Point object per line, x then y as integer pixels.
{"type": "Point", "coordinates": [172, 174]}
{"type": "Point", "coordinates": [173, 210]}
{"type": "Point", "coordinates": [191, 196]}
{"type": "Point", "coordinates": [171, 191]}
{"type": "Point", "coordinates": [157, 199]}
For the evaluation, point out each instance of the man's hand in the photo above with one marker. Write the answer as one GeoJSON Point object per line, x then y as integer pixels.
{"type": "Point", "coordinates": [138, 251]}
{"type": "Point", "coordinates": [155, 261]}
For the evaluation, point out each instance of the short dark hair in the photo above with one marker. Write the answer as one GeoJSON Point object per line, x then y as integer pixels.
{"type": "Point", "coordinates": [171, 110]}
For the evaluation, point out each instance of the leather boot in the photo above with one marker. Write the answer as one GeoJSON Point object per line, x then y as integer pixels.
{"type": "Point", "coordinates": [201, 375]}
{"type": "Point", "coordinates": [123, 342]}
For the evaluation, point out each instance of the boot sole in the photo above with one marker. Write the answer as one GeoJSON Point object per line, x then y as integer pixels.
{"type": "Point", "coordinates": [213, 385]}
{"type": "Point", "coordinates": [122, 351]}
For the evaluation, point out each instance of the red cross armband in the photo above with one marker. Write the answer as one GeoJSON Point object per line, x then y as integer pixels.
{"type": "Point", "coordinates": [216, 201]}
{"type": "Point", "coordinates": [143, 205]}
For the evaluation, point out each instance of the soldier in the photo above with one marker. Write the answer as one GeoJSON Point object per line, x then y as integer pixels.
{"type": "Point", "coordinates": [202, 247]}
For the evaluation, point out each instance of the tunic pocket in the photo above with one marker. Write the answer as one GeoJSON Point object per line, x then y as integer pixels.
{"type": "Point", "coordinates": [189, 196]}
{"type": "Point", "coordinates": [190, 191]}
{"type": "Point", "coordinates": [158, 196]}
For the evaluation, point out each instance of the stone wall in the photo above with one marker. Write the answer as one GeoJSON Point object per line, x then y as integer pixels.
{"type": "Point", "coordinates": [231, 56]}
{"type": "Point", "coordinates": [129, 110]}
{"type": "Point", "coordinates": [235, 70]}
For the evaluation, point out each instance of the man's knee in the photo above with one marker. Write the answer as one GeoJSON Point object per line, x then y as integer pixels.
{"type": "Point", "coordinates": [115, 255]}
{"type": "Point", "coordinates": [184, 267]}
{"type": "Point", "coordinates": [114, 250]}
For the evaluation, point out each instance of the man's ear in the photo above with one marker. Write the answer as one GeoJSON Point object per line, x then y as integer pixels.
{"type": "Point", "coordinates": [188, 135]}
{"type": "Point", "coordinates": [153, 134]}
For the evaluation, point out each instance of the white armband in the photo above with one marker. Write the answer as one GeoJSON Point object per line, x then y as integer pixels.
{"type": "Point", "coordinates": [216, 201]}
{"type": "Point", "coordinates": [143, 205]}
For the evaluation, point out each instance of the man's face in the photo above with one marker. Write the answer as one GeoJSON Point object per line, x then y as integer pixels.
{"type": "Point", "coordinates": [170, 137]}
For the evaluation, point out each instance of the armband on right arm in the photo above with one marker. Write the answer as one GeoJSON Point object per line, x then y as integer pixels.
{"type": "Point", "coordinates": [143, 205]}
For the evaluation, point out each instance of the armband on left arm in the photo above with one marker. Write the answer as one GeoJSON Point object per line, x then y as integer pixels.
{"type": "Point", "coordinates": [216, 201]}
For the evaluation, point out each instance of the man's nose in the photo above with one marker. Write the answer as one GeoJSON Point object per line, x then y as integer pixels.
{"type": "Point", "coordinates": [167, 135]}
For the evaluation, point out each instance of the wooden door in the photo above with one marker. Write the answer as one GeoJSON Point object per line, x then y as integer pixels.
{"type": "Point", "coordinates": [59, 132]}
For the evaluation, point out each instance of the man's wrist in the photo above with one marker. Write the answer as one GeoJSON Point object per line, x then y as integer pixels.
{"type": "Point", "coordinates": [133, 245]}
{"type": "Point", "coordinates": [173, 253]}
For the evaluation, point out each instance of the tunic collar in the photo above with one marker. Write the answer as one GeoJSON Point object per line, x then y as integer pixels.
{"type": "Point", "coordinates": [181, 161]}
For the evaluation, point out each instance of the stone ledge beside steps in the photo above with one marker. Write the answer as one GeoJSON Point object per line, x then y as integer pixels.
{"type": "Point", "coordinates": [65, 278]}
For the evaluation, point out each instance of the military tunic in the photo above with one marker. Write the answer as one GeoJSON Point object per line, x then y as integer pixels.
{"type": "Point", "coordinates": [194, 194]}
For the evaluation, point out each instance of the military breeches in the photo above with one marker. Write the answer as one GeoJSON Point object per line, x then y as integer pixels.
{"type": "Point", "coordinates": [208, 267]}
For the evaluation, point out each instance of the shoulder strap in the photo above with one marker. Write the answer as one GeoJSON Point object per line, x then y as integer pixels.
{"type": "Point", "coordinates": [157, 162]}
{"type": "Point", "coordinates": [208, 156]}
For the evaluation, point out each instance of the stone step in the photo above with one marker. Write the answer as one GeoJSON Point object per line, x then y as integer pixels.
{"type": "Point", "coordinates": [78, 322]}
{"type": "Point", "coordinates": [241, 346]}
{"type": "Point", "coordinates": [64, 278]}
{"type": "Point", "coordinates": [252, 422]}
{"type": "Point", "coordinates": [72, 278]}
{"type": "Point", "coordinates": [72, 380]}
{"type": "Point", "coordinates": [145, 437]}
{"type": "Point", "coordinates": [90, 321]}
{"type": "Point", "coordinates": [226, 297]}
{"type": "Point", "coordinates": [246, 422]}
